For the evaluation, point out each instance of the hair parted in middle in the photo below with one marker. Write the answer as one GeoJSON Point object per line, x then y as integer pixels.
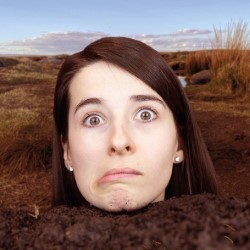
{"type": "Point", "coordinates": [192, 176]}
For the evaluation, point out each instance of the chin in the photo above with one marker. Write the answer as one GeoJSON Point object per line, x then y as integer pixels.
{"type": "Point", "coordinates": [119, 200]}
{"type": "Point", "coordinates": [119, 205]}
{"type": "Point", "coordinates": [125, 205]}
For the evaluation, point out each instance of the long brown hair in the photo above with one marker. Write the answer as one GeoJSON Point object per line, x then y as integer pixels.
{"type": "Point", "coordinates": [193, 176]}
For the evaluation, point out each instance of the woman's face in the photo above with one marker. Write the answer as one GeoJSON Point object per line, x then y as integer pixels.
{"type": "Point", "coordinates": [122, 139]}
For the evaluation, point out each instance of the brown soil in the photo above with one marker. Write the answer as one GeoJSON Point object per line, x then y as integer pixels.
{"type": "Point", "coordinates": [189, 222]}
{"type": "Point", "coordinates": [228, 141]}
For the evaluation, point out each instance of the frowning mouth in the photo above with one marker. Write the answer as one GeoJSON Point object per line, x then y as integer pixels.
{"type": "Point", "coordinates": [120, 173]}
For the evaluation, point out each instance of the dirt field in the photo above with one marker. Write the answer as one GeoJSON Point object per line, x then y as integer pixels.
{"type": "Point", "coordinates": [26, 220]}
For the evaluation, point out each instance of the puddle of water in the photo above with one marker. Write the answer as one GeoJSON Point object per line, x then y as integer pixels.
{"type": "Point", "coordinates": [183, 81]}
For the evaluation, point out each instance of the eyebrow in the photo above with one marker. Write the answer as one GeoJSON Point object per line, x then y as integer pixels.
{"type": "Point", "coordinates": [136, 98]}
{"type": "Point", "coordinates": [82, 103]}
{"type": "Point", "coordinates": [143, 98]}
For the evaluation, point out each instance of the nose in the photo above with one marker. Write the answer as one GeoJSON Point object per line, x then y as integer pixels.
{"type": "Point", "coordinates": [121, 142]}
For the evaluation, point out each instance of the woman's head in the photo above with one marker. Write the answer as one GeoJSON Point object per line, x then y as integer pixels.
{"type": "Point", "coordinates": [123, 123]}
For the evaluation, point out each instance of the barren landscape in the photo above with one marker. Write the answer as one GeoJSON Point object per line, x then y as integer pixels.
{"type": "Point", "coordinates": [26, 218]}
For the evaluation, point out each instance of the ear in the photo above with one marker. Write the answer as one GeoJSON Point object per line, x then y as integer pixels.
{"type": "Point", "coordinates": [178, 157]}
{"type": "Point", "coordinates": [66, 153]}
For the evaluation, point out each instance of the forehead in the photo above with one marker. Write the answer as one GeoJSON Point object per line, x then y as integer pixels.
{"type": "Point", "coordinates": [102, 78]}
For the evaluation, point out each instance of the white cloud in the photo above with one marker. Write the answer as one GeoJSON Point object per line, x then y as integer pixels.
{"type": "Point", "coordinates": [71, 42]}
{"type": "Point", "coordinates": [51, 43]}
{"type": "Point", "coordinates": [191, 32]}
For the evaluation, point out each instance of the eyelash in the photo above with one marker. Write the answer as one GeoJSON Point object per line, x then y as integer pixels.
{"type": "Point", "coordinates": [88, 115]}
{"type": "Point", "coordinates": [148, 109]}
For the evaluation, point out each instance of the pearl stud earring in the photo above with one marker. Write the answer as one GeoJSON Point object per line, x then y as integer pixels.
{"type": "Point", "coordinates": [70, 168]}
{"type": "Point", "coordinates": [177, 159]}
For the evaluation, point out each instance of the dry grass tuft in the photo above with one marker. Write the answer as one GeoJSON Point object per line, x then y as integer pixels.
{"type": "Point", "coordinates": [197, 61]}
{"type": "Point", "coordinates": [230, 62]}
{"type": "Point", "coordinates": [24, 155]}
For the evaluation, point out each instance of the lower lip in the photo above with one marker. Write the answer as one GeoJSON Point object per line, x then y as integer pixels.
{"type": "Point", "coordinates": [113, 177]}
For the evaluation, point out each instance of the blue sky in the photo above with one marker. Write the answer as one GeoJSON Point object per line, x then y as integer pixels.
{"type": "Point", "coordinates": [55, 27]}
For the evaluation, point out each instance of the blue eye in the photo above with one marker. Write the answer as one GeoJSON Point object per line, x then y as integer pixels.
{"type": "Point", "coordinates": [146, 115]}
{"type": "Point", "coordinates": [93, 120]}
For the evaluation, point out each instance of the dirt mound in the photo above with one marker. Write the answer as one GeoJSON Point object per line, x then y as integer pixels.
{"type": "Point", "coordinates": [190, 222]}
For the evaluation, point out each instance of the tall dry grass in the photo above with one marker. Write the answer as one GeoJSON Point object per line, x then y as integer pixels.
{"type": "Point", "coordinates": [197, 61]}
{"type": "Point", "coordinates": [228, 61]}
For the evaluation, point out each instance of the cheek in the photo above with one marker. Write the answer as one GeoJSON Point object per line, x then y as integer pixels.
{"type": "Point", "coordinates": [87, 159]}
{"type": "Point", "coordinates": [158, 154]}
{"type": "Point", "coordinates": [85, 150]}
{"type": "Point", "coordinates": [162, 143]}
{"type": "Point", "coordinates": [161, 158]}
